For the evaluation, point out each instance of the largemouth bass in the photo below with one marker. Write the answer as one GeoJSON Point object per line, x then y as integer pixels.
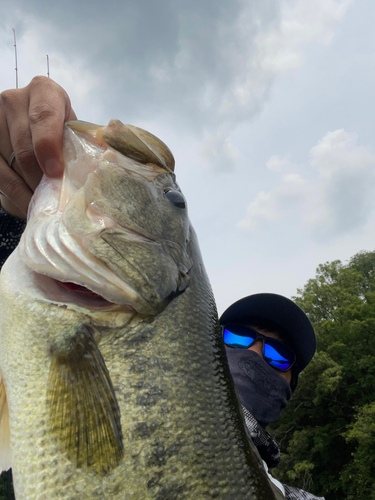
{"type": "Point", "coordinates": [114, 380]}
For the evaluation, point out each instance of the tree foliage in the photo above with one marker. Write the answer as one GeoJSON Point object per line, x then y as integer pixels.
{"type": "Point", "coordinates": [327, 432]}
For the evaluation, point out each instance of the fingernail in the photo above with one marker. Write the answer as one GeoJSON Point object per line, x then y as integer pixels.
{"type": "Point", "coordinates": [53, 168]}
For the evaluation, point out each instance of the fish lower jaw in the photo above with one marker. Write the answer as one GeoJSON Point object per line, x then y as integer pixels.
{"type": "Point", "coordinates": [79, 292]}
{"type": "Point", "coordinates": [68, 292]}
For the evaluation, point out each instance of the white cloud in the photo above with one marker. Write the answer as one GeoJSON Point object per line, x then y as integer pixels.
{"type": "Point", "coordinates": [218, 151]}
{"type": "Point", "coordinates": [276, 204]}
{"type": "Point", "coordinates": [338, 151]}
{"type": "Point", "coordinates": [275, 47]}
{"type": "Point", "coordinates": [337, 197]}
{"type": "Point", "coordinates": [276, 164]}
{"type": "Point", "coordinates": [279, 49]}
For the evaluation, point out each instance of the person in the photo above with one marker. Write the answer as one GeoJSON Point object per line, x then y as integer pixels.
{"type": "Point", "coordinates": [269, 340]}
{"type": "Point", "coordinates": [31, 130]}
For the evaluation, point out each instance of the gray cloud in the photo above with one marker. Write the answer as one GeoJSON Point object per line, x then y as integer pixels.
{"type": "Point", "coordinates": [181, 59]}
{"type": "Point", "coordinates": [200, 67]}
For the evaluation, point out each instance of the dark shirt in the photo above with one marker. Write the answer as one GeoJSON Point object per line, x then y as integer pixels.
{"type": "Point", "coordinates": [11, 229]}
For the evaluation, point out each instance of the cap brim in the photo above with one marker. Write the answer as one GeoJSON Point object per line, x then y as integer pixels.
{"type": "Point", "coordinates": [282, 311]}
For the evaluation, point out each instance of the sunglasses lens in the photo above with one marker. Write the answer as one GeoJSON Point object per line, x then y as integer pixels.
{"type": "Point", "coordinates": [236, 336]}
{"type": "Point", "coordinates": [278, 355]}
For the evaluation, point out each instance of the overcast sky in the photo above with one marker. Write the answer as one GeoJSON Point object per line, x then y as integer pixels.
{"type": "Point", "coordinates": [268, 107]}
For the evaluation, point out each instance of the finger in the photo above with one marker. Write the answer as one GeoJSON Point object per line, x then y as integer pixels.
{"type": "Point", "coordinates": [16, 193]}
{"type": "Point", "coordinates": [10, 208]}
{"type": "Point", "coordinates": [49, 109]}
{"type": "Point", "coordinates": [15, 136]}
{"type": "Point", "coordinates": [25, 163]}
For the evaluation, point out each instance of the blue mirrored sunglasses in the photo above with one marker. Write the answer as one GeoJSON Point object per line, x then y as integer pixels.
{"type": "Point", "coordinates": [276, 353]}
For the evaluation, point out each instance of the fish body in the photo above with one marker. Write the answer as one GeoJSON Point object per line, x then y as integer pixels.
{"type": "Point", "coordinates": [113, 372]}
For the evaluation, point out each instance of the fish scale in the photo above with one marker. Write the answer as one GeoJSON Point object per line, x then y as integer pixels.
{"type": "Point", "coordinates": [129, 400]}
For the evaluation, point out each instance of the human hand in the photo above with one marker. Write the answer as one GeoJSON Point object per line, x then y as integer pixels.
{"type": "Point", "coordinates": [31, 125]}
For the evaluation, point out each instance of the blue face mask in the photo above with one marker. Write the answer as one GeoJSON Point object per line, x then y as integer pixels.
{"type": "Point", "coordinates": [260, 388]}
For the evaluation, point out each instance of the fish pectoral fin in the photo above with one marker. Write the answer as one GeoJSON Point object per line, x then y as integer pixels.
{"type": "Point", "coordinates": [83, 409]}
{"type": "Point", "coordinates": [5, 451]}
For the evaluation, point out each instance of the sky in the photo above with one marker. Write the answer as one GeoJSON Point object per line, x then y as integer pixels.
{"type": "Point", "coordinates": [267, 107]}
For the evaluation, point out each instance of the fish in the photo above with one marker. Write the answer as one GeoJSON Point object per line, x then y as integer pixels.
{"type": "Point", "coordinates": [114, 383]}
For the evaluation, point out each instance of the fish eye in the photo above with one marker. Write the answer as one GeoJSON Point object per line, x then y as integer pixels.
{"type": "Point", "coordinates": [175, 197]}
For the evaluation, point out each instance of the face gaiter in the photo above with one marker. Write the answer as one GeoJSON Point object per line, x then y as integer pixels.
{"type": "Point", "coordinates": [260, 388]}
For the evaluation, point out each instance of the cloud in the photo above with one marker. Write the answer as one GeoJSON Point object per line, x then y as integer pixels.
{"type": "Point", "coordinates": [345, 184]}
{"type": "Point", "coordinates": [211, 63]}
{"type": "Point", "coordinates": [218, 151]}
{"type": "Point", "coordinates": [200, 67]}
{"type": "Point", "coordinates": [279, 49]}
{"type": "Point", "coordinates": [338, 151]}
{"type": "Point", "coordinates": [276, 164]}
{"type": "Point", "coordinates": [336, 198]}
{"type": "Point", "coordinates": [276, 204]}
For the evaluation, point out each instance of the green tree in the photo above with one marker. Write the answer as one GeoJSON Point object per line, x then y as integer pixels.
{"type": "Point", "coordinates": [327, 432]}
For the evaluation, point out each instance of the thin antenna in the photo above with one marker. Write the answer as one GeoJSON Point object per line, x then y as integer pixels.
{"type": "Point", "coordinates": [47, 66]}
{"type": "Point", "coordinates": [15, 56]}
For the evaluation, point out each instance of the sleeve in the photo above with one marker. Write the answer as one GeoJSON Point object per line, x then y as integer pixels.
{"type": "Point", "coordinates": [297, 494]}
{"type": "Point", "coordinates": [277, 488]}
{"type": "Point", "coordinates": [11, 229]}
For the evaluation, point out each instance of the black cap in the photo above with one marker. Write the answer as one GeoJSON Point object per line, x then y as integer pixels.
{"type": "Point", "coordinates": [282, 311]}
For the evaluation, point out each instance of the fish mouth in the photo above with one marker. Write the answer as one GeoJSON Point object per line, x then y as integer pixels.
{"type": "Point", "coordinates": [82, 291]}
{"type": "Point", "coordinates": [67, 292]}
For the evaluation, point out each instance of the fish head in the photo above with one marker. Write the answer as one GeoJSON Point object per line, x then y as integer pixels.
{"type": "Point", "coordinates": [115, 224]}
